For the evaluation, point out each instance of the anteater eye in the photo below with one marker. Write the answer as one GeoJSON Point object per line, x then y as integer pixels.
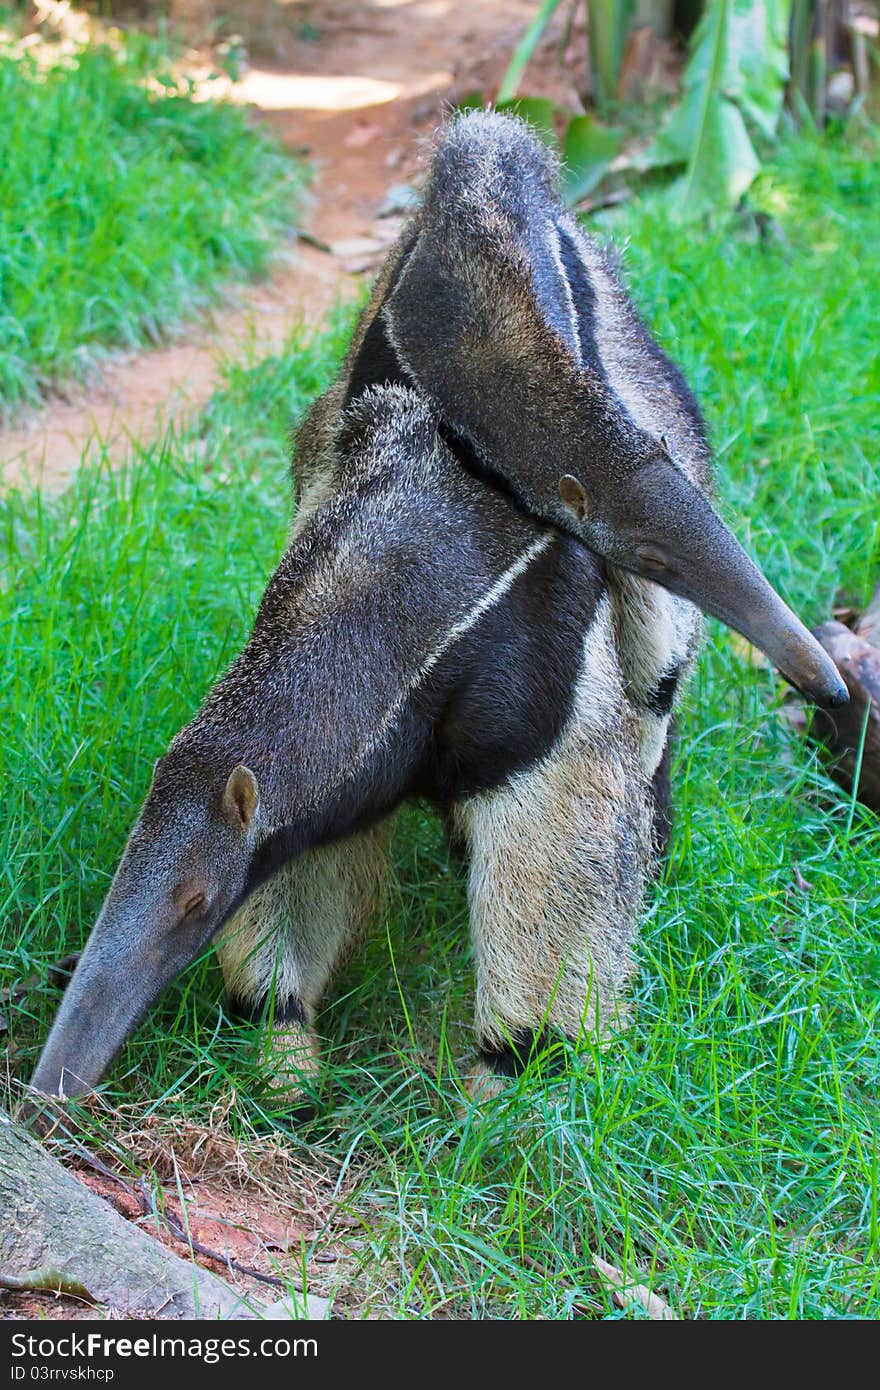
{"type": "Point", "coordinates": [193, 904]}
{"type": "Point", "coordinates": [652, 557]}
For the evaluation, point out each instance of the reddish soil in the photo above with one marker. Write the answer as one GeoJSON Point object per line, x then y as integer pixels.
{"type": "Point", "coordinates": [357, 84]}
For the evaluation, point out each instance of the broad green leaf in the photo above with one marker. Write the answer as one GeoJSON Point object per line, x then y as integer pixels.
{"type": "Point", "coordinates": [724, 161]}
{"type": "Point", "coordinates": [753, 36]}
{"type": "Point", "coordinates": [608, 25]}
{"type": "Point", "coordinates": [736, 73]}
{"type": "Point", "coordinates": [587, 150]}
{"type": "Point", "coordinates": [756, 60]}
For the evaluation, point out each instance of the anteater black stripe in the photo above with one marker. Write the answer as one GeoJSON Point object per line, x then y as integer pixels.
{"type": "Point", "coordinates": [584, 302]}
{"type": "Point", "coordinates": [284, 1011]}
{"type": "Point", "coordinates": [661, 697]}
{"type": "Point", "coordinates": [377, 363]}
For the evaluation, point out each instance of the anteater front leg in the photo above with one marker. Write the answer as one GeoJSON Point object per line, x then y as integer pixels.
{"type": "Point", "coordinates": [559, 858]}
{"type": "Point", "coordinates": [279, 952]}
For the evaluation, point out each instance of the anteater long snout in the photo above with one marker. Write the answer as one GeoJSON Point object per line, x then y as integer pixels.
{"type": "Point", "coordinates": [120, 974]}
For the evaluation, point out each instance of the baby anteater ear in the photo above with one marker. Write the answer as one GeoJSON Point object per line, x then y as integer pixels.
{"type": "Point", "coordinates": [574, 496]}
{"type": "Point", "coordinates": [241, 797]}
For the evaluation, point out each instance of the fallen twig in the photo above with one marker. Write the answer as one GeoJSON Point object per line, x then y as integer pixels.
{"type": "Point", "coordinates": [141, 1196]}
{"type": "Point", "coordinates": [314, 241]}
{"type": "Point", "coordinates": [802, 884]}
{"type": "Point", "coordinates": [176, 1229]}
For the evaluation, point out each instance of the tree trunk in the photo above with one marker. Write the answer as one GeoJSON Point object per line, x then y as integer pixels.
{"type": "Point", "coordinates": [56, 1234]}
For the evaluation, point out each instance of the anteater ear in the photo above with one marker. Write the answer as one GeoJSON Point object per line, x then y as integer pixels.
{"type": "Point", "coordinates": [574, 495]}
{"type": "Point", "coordinates": [241, 797]}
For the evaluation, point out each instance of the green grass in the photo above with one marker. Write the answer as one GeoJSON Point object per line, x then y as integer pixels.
{"type": "Point", "coordinates": [123, 201]}
{"type": "Point", "coordinates": [727, 1145]}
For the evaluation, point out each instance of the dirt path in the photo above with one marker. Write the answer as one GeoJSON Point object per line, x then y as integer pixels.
{"type": "Point", "coordinates": [368, 80]}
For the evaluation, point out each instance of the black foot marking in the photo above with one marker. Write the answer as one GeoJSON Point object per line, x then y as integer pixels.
{"type": "Point", "coordinates": [284, 1119]}
{"type": "Point", "coordinates": [285, 1011]}
{"type": "Point", "coordinates": [301, 1113]}
{"type": "Point", "coordinates": [515, 1055]}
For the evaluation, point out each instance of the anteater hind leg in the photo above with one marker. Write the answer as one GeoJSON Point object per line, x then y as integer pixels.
{"type": "Point", "coordinates": [279, 951]}
{"type": "Point", "coordinates": [559, 858]}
